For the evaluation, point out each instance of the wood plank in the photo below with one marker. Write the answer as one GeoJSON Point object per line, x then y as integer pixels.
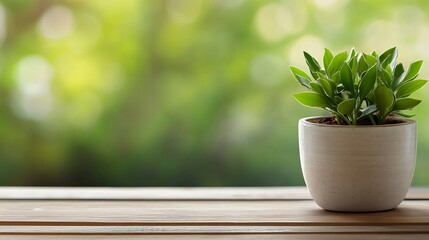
{"type": "Point", "coordinates": [222, 237]}
{"type": "Point", "coordinates": [154, 213]}
{"type": "Point", "coordinates": [155, 193]}
{"type": "Point", "coordinates": [163, 230]}
{"type": "Point", "coordinates": [192, 213]}
{"type": "Point", "coordinates": [418, 193]}
{"type": "Point", "coordinates": [169, 193]}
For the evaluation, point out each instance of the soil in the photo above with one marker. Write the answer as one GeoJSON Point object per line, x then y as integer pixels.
{"type": "Point", "coordinates": [333, 121]}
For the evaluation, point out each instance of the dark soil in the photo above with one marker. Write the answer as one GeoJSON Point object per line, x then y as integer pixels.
{"type": "Point", "coordinates": [333, 121]}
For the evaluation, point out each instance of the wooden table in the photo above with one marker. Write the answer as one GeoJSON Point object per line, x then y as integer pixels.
{"type": "Point", "coordinates": [198, 213]}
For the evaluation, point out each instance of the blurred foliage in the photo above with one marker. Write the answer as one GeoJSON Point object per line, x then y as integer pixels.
{"type": "Point", "coordinates": [177, 92]}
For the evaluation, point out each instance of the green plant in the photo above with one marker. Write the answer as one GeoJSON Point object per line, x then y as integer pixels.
{"type": "Point", "coordinates": [359, 88]}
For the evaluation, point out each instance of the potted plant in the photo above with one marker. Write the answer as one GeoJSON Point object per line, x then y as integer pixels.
{"type": "Point", "coordinates": [361, 158]}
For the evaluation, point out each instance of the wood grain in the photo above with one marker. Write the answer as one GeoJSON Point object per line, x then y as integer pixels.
{"type": "Point", "coordinates": [183, 230]}
{"type": "Point", "coordinates": [155, 193]}
{"type": "Point", "coordinates": [393, 236]}
{"type": "Point", "coordinates": [171, 193]}
{"type": "Point", "coordinates": [200, 213]}
{"type": "Point", "coordinates": [197, 213]}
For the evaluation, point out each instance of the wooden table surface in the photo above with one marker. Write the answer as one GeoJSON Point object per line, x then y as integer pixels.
{"type": "Point", "coordinates": [198, 213]}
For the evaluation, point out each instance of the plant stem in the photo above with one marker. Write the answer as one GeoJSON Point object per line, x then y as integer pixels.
{"type": "Point", "coordinates": [345, 119]}
{"type": "Point", "coordinates": [380, 119]}
{"type": "Point", "coordinates": [372, 120]}
{"type": "Point", "coordinates": [338, 117]}
{"type": "Point", "coordinates": [354, 117]}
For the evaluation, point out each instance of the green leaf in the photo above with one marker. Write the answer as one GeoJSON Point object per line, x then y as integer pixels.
{"type": "Point", "coordinates": [367, 82]}
{"type": "Point", "coordinates": [384, 100]}
{"type": "Point", "coordinates": [315, 74]}
{"type": "Point", "coordinates": [384, 63]}
{"type": "Point", "coordinates": [413, 70]}
{"type": "Point", "coordinates": [347, 79]}
{"type": "Point", "coordinates": [317, 88]}
{"type": "Point", "coordinates": [406, 103]}
{"type": "Point", "coordinates": [327, 58]}
{"type": "Point", "coordinates": [385, 77]}
{"type": "Point", "coordinates": [354, 66]}
{"type": "Point", "coordinates": [311, 62]}
{"type": "Point", "coordinates": [336, 63]}
{"type": "Point", "coordinates": [338, 99]}
{"type": "Point", "coordinates": [369, 59]}
{"type": "Point", "coordinates": [320, 74]}
{"type": "Point", "coordinates": [297, 71]}
{"type": "Point", "coordinates": [304, 82]}
{"type": "Point", "coordinates": [389, 57]}
{"type": "Point", "coordinates": [362, 65]}
{"type": "Point", "coordinates": [371, 98]}
{"type": "Point", "coordinates": [389, 71]}
{"type": "Point", "coordinates": [347, 106]}
{"type": "Point", "coordinates": [301, 76]}
{"type": "Point", "coordinates": [398, 75]}
{"type": "Point", "coordinates": [327, 87]}
{"type": "Point", "coordinates": [410, 87]}
{"type": "Point", "coordinates": [403, 114]}
{"type": "Point", "coordinates": [311, 99]}
{"type": "Point", "coordinates": [336, 78]}
{"type": "Point", "coordinates": [367, 111]}
{"type": "Point", "coordinates": [351, 54]}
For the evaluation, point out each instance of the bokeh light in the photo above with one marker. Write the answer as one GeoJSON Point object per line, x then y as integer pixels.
{"type": "Point", "coordinates": [56, 22]}
{"type": "Point", "coordinates": [33, 99]}
{"type": "Point", "coordinates": [178, 92]}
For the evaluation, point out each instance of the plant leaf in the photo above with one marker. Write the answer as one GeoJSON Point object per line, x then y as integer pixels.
{"type": "Point", "coordinates": [403, 114]}
{"type": "Point", "coordinates": [317, 88]}
{"type": "Point", "coordinates": [311, 62]}
{"type": "Point", "coordinates": [347, 78]}
{"type": "Point", "coordinates": [311, 99]}
{"type": "Point", "coordinates": [413, 70]}
{"type": "Point", "coordinates": [336, 78]}
{"type": "Point", "coordinates": [406, 103]}
{"type": "Point", "coordinates": [367, 82]}
{"type": "Point", "coordinates": [389, 71]}
{"type": "Point", "coordinates": [410, 87]}
{"type": "Point", "coordinates": [303, 81]}
{"type": "Point", "coordinates": [297, 71]}
{"type": "Point", "coordinates": [338, 99]}
{"type": "Point", "coordinates": [398, 75]}
{"type": "Point", "coordinates": [385, 77]}
{"type": "Point", "coordinates": [384, 100]}
{"type": "Point", "coordinates": [354, 66]}
{"type": "Point", "coordinates": [314, 74]}
{"type": "Point", "coordinates": [367, 111]}
{"type": "Point", "coordinates": [371, 98]}
{"type": "Point", "coordinates": [301, 76]}
{"type": "Point", "coordinates": [384, 63]}
{"type": "Point", "coordinates": [362, 65]}
{"type": "Point", "coordinates": [351, 54]}
{"type": "Point", "coordinates": [389, 57]}
{"type": "Point", "coordinates": [320, 74]}
{"type": "Point", "coordinates": [327, 58]}
{"type": "Point", "coordinates": [347, 106]}
{"type": "Point", "coordinates": [337, 62]}
{"type": "Point", "coordinates": [327, 87]}
{"type": "Point", "coordinates": [369, 59]}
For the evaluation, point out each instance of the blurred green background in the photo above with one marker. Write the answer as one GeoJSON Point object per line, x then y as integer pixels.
{"type": "Point", "coordinates": [178, 92]}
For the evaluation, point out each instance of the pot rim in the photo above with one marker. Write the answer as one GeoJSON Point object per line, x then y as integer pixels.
{"type": "Point", "coordinates": [304, 121]}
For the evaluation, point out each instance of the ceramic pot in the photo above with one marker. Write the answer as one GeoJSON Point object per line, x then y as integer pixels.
{"type": "Point", "coordinates": [357, 168]}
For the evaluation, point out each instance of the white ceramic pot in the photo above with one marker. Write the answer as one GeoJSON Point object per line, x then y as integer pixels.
{"type": "Point", "coordinates": [357, 168]}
